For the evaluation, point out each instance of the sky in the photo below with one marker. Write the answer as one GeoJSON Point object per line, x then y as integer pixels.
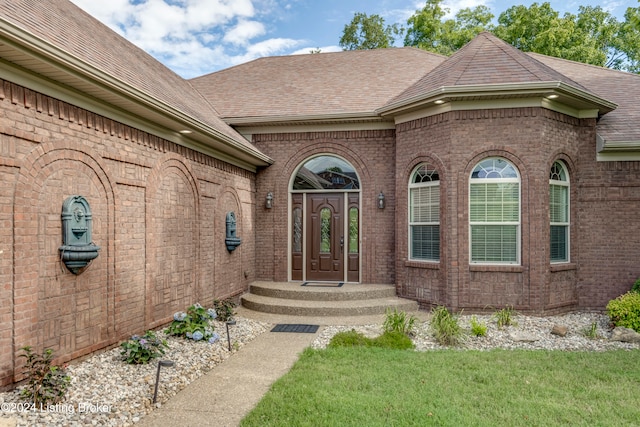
{"type": "Point", "coordinates": [197, 37]}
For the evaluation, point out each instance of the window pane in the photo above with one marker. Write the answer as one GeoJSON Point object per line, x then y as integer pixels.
{"type": "Point", "coordinates": [559, 203]}
{"type": "Point", "coordinates": [353, 231]}
{"type": "Point", "coordinates": [326, 173]}
{"type": "Point", "coordinates": [559, 243]}
{"type": "Point", "coordinates": [425, 204]}
{"type": "Point", "coordinates": [494, 243]}
{"type": "Point", "coordinates": [497, 202]}
{"type": "Point", "coordinates": [425, 242]}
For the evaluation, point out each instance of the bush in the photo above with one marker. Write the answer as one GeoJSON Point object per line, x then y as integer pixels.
{"type": "Point", "coordinates": [47, 383]}
{"type": "Point", "coordinates": [636, 286]}
{"type": "Point", "coordinates": [445, 326]}
{"type": "Point", "coordinates": [625, 310]}
{"type": "Point", "coordinates": [141, 349]}
{"type": "Point", "coordinates": [348, 339]}
{"type": "Point", "coordinates": [393, 340]}
{"type": "Point", "coordinates": [478, 329]}
{"type": "Point", "coordinates": [398, 321]}
{"type": "Point", "coordinates": [224, 309]}
{"type": "Point", "coordinates": [195, 324]}
{"type": "Point", "coordinates": [390, 340]}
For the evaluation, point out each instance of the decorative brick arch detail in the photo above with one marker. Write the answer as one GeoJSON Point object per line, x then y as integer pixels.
{"type": "Point", "coordinates": [49, 309]}
{"type": "Point", "coordinates": [173, 240]}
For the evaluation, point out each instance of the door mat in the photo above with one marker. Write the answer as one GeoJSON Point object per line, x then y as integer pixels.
{"type": "Point", "coordinates": [323, 285]}
{"type": "Point", "coordinates": [303, 329]}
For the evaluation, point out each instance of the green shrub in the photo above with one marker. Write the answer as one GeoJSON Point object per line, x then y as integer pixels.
{"type": "Point", "coordinates": [504, 317]}
{"type": "Point", "coordinates": [625, 310]}
{"type": "Point", "coordinates": [141, 349]}
{"type": "Point", "coordinates": [478, 329]}
{"type": "Point", "coordinates": [636, 286]}
{"type": "Point", "coordinates": [195, 324]}
{"type": "Point", "coordinates": [348, 339]}
{"type": "Point", "coordinates": [445, 326]}
{"type": "Point", "coordinates": [394, 340]}
{"type": "Point", "coordinates": [389, 339]}
{"type": "Point", "coordinates": [224, 309]}
{"type": "Point", "coordinates": [46, 383]}
{"type": "Point", "coordinates": [399, 321]}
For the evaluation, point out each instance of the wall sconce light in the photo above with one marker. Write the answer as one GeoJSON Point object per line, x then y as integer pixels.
{"type": "Point", "coordinates": [161, 363]}
{"type": "Point", "coordinates": [381, 200]}
{"type": "Point", "coordinates": [269, 201]}
{"type": "Point", "coordinates": [229, 323]}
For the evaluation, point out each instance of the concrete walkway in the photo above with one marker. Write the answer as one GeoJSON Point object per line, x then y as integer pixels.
{"type": "Point", "coordinates": [223, 396]}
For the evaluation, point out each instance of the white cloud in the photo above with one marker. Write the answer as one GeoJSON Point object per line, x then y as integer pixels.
{"type": "Point", "coordinates": [193, 37]}
{"type": "Point", "coordinates": [243, 32]}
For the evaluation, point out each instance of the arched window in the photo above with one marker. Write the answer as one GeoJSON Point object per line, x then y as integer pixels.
{"type": "Point", "coordinates": [559, 212]}
{"type": "Point", "coordinates": [424, 214]}
{"type": "Point", "coordinates": [494, 212]}
{"type": "Point", "coordinates": [326, 173]}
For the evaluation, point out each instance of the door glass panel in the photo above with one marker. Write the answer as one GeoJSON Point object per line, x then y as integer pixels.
{"type": "Point", "coordinates": [297, 230]}
{"type": "Point", "coordinates": [353, 230]}
{"type": "Point", "coordinates": [325, 230]}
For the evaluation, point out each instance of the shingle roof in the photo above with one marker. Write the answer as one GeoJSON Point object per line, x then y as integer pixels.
{"type": "Point", "coordinates": [68, 28]}
{"type": "Point", "coordinates": [618, 86]}
{"type": "Point", "coordinates": [485, 60]}
{"type": "Point", "coordinates": [314, 85]}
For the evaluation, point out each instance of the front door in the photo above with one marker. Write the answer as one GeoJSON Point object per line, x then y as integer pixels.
{"type": "Point", "coordinates": [326, 239]}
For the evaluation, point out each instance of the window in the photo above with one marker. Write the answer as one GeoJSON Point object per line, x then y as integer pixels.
{"type": "Point", "coordinates": [326, 173]}
{"type": "Point", "coordinates": [424, 214]}
{"type": "Point", "coordinates": [494, 212]}
{"type": "Point", "coordinates": [559, 212]}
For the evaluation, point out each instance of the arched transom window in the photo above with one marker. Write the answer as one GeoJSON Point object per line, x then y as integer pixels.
{"type": "Point", "coordinates": [326, 173]}
{"type": "Point", "coordinates": [424, 214]}
{"type": "Point", "coordinates": [494, 212]}
{"type": "Point", "coordinates": [559, 212]}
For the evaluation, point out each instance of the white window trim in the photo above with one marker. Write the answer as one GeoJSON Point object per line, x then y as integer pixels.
{"type": "Point", "coordinates": [518, 224]}
{"type": "Point", "coordinates": [567, 184]}
{"type": "Point", "coordinates": [413, 185]}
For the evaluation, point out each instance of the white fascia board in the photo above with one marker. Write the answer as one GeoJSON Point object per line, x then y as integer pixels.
{"type": "Point", "coordinates": [505, 93]}
{"type": "Point", "coordinates": [610, 151]}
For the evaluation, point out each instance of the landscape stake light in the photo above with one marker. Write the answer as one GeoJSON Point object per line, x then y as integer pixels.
{"type": "Point", "coordinates": [229, 322]}
{"type": "Point", "coordinates": [161, 363]}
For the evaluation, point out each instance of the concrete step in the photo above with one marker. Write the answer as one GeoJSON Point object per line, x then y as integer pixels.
{"type": "Point", "coordinates": [300, 307]}
{"type": "Point", "coordinates": [322, 292]}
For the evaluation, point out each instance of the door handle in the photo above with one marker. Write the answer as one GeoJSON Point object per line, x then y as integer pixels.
{"type": "Point", "coordinates": [341, 243]}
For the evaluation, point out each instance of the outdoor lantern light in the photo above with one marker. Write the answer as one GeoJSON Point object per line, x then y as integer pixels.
{"type": "Point", "coordinates": [229, 322]}
{"type": "Point", "coordinates": [269, 202]}
{"type": "Point", "coordinates": [381, 200]}
{"type": "Point", "coordinates": [161, 363]}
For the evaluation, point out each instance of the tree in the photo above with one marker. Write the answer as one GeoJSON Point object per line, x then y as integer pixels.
{"type": "Point", "coordinates": [593, 36]}
{"type": "Point", "coordinates": [368, 32]}
{"type": "Point", "coordinates": [426, 29]}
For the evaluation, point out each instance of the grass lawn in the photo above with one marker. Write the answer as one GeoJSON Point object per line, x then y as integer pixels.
{"type": "Point", "coordinates": [381, 387]}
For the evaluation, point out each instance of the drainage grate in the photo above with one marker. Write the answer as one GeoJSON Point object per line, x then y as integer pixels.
{"type": "Point", "coordinates": [303, 329]}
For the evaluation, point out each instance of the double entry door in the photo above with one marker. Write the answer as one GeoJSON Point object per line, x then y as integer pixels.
{"type": "Point", "coordinates": [325, 237]}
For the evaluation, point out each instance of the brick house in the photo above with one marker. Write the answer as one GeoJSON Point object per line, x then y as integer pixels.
{"type": "Point", "coordinates": [489, 178]}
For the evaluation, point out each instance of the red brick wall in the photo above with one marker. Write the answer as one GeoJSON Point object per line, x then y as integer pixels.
{"type": "Point", "coordinates": [609, 227]}
{"type": "Point", "coordinates": [532, 139]}
{"type": "Point", "coordinates": [158, 215]}
{"type": "Point", "coordinates": [372, 155]}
